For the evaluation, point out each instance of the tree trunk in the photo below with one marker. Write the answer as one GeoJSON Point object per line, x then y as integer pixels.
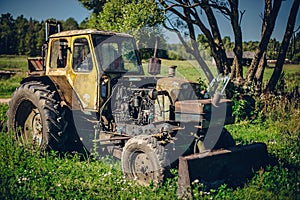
{"type": "Point", "coordinates": [195, 45]}
{"type": "Point", "coordinates": [238, 41]}
{"type": "Point", "coordinates": [284, 46]}
{"type": "Point", "coordinates": [260, 73]}
{"type": "Point", "coordinates": [235, 72]}
{"type": "Point", "coordinates": [191, 18]}
{"type": "Point", "coordinates": [233, 69]}
{"type": "Point", "coordinates": [270, 15]}
{"type": "Point", "coordinates": [218, 52]}
{"type": "Point", "coordinates": [239, 62]}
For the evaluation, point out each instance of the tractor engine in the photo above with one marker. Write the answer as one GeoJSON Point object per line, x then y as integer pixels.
{"type": "Point", "coordinates": [133, 105]}
{"type": "Point", "coordinates": [141, 107]}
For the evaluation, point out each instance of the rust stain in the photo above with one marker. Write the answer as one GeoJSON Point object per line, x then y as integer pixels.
{"type": "Point", "coordinates": [66, 92]}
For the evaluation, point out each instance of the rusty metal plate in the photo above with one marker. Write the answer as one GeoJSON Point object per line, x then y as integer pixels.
{"type": "Point", "coordinates": [235, 163]}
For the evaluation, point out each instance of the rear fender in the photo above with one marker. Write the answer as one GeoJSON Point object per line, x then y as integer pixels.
{"type": "Point", "coordinates": [61, 85]}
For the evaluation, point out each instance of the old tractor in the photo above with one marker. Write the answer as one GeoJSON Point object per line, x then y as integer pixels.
{"type": "Point", "coordinates": [89, 93]}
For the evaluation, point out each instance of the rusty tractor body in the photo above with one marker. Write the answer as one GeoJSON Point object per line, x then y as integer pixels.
{"type": "Point", "coordinates": [89, 93]}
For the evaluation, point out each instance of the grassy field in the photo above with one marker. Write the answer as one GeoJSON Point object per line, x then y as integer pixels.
{"type": "Point", "coordinates": [17, 64]}
{"type": "Point", "coordinates": [191, 71]}
{"type": "Point", "coordinates": [13, 63]}
{"type": "Point", "coordinates": [26, 174]}
{"type": "Point", "coordinates": [187, 69]}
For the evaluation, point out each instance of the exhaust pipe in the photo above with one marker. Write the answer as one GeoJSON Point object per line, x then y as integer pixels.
{"type": "Point", "coordinates": [154, 64]}
{"type": "Point", "coordinates": [51, 28]}
{"type": "Point", "coordinates": [172, 71]}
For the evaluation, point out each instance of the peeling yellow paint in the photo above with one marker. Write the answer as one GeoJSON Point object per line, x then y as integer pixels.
{"type": "Point", "coordinates": [84, 84]}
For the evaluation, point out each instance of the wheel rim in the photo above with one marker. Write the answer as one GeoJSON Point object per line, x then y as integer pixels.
{"type": "Point", "coordinates": [142, 168]}
{"type": "Point", "coordinates": [33, 128]}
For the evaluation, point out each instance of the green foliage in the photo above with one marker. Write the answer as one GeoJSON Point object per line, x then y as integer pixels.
{"type": "Point", "coordinates": [95, 5]}
{"type": "Point", "coordinates": [243, 108]}
{"type": "Point", "coordinates": [243, 105]}
{"type": "Point", "coordinates": [70, 24]}
{"type": "Point", "coordinates": [139, 18]}
{"type": "Point", "coordinates": [228, 44]}
{"type": "Point", "coordinates": [275, 182]}
{"type": "Point", "coordinates": [249, 104]}
{"type": "Point", "coordinates": [31, 38]}
{"type": "Point", "coordinates": [7, 35]}
{"type": "Point", "coordinates": [293, 52]}
{"type": "Point", "coordinates": [280, 131]}
{"type": "Point", "coordinates": [25, 37]}
{"type": "Point", "coordinates": [3, 117]}
{"type": "Point", "coordinates": [124, 16]}
{"type": "Point", "coordinates": [273, 49]}
{"type": "Point", "coordinates": [250, 45]}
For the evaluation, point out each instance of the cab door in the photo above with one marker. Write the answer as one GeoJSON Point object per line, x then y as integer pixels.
{"type": "Point", "coordinates": [83, 72]}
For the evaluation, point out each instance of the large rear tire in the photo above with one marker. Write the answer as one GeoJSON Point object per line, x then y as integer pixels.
{"type": "Point", "coordinates": [36, 115]}
{"type": "Point", "coordinates": [144, 160]}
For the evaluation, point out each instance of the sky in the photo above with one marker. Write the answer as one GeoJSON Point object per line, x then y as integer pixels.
{"type": "Point", "coordinates": [63, 9]}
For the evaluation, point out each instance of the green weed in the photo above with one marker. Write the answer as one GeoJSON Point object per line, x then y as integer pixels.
{"type": "Point", "coordinates": [8, 86]}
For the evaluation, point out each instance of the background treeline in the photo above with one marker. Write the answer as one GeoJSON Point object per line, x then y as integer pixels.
{"type": "Point", "coordinates": [22, 36]}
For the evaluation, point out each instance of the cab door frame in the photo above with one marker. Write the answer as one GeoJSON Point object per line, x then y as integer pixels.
{"type": "Point", "coordinates": [85, 82]}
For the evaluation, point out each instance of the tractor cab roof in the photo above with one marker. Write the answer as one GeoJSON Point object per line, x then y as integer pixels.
{"type": "Point", "coordinates": [86, 32]}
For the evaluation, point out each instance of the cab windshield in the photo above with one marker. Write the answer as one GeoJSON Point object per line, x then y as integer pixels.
{"type": "Point", "coordinates": [117, 54]}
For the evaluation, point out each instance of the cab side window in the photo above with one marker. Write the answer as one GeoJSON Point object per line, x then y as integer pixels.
{"type": "Point", "coordinates": [59, 53]}
{"type": "Point", "coordinates": [82, 60]}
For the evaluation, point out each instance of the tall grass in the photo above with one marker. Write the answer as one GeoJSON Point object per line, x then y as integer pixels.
{"type": "Point", "coordinates": [26, 174]}
{"type": "Point", "coordinates": [280, 131]}
{"type": "Point", "coordinates": [8, 86]}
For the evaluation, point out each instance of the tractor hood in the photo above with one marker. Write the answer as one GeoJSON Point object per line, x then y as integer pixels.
{"type": "Point", "coordinates": [189, 106]}
{"type": "Point", "coordinates": [179, 89]}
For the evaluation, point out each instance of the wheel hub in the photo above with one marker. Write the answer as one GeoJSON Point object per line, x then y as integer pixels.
{"type": "Point", "coordinates": [143, 167]}
{"type": "Point", "coordinates": [33, 128]}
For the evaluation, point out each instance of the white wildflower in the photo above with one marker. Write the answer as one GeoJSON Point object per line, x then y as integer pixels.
{"type": "Point", "coordinates": [195, 181]}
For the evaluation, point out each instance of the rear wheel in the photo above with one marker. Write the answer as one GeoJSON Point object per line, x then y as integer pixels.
{"type": "Point", "coordinates": [36, 116]}
{"type": "Point", "coordinates": [33, 128]}
{"type": "Point", "coordinates": [144, 160]}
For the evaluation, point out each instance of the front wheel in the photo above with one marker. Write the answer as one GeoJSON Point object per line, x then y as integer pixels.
{"type": "Point", "coordinates": [144, 160]}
